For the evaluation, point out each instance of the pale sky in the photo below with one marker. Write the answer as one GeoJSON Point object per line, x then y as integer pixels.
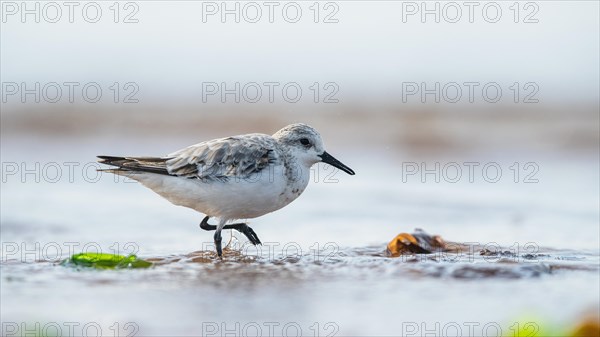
{"type": "Point", "coordinates": [370, 51]}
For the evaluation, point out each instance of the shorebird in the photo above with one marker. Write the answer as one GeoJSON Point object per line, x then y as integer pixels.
{"type": "Point", "coordinates": [232, 178]}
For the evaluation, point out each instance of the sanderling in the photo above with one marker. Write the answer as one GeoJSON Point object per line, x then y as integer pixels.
{"type": "Point", "coordinates": [239, 177]}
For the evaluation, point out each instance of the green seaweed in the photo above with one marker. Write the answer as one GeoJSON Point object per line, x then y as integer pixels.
{"type": "Point", "coordinates": [106, 261]}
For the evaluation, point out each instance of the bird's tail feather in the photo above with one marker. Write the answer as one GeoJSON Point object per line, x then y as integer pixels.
{"type": "Point", "coordinates": [127, 165]}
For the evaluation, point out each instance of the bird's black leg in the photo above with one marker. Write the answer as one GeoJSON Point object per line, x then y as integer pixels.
{"type": "Point", "coordinates": [204, 224]}
{"type": "Point", "coordinates": [240, 227]}
{"type": "Point", "coordinates": [218, 243]}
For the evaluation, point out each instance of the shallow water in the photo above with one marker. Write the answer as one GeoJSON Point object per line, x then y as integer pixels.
{"type": "Point", "coordinates": [322, 268]}
{"type": "Point", "coordinates": [188, 294]}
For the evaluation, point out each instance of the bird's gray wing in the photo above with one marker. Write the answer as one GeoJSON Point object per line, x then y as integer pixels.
{"type": "Point", "coordinates": [221, 159]}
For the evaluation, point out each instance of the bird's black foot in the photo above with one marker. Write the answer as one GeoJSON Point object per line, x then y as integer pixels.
{"type": "Point", "coordinates": [240, 227]}
{"type": "Point", "coordinates": [249, 233]}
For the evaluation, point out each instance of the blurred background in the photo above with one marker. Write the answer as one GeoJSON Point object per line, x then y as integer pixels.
{"type": "Point", "coordinates": [479, 122]}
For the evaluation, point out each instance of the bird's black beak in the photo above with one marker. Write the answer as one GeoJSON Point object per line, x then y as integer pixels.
{"type": "Point", "coordinates": [329, 159]}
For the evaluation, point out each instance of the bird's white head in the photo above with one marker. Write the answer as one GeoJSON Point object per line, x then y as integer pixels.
{"type": "Point", "coordinates": [307, 147]}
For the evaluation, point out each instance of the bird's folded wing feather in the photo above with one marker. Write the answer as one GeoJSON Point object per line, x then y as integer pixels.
{"type": "Point", "coordinates": [224, 158]}
{"type": "Point", "coordinates": [218, 159]}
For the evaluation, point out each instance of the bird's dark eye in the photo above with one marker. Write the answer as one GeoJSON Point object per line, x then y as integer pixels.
{"type": "Point", "coordinates": [304, 141]}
